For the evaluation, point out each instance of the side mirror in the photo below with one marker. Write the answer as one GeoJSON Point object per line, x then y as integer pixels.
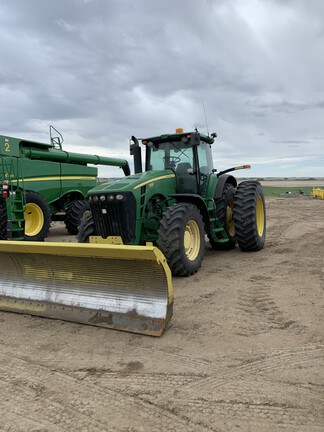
{"type": "Point", "coordinates": [135, 151]}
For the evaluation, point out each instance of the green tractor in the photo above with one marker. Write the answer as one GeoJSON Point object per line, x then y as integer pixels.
{"type": "Point", "coordinates": [177, 200]}
{"type": "Point", "coordinates": [138, 229]}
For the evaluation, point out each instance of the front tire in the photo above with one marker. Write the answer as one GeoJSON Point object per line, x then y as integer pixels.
{"type": "Point", "coordinates": [182, 238]}
{"type": "Point", "coordinates": [75, 212]}
{"type": "Point", "coordinates": [86, 229]}
{"type": "Point", "coordinates": [250, 216]}
{"type": "Point", "coordinates": [37, 217]}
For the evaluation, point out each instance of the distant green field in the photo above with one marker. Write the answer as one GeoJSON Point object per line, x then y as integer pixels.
{"type": "Point", "coordinates": [278, 191]}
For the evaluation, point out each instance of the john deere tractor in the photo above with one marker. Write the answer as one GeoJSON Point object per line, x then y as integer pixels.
{"type": "Point", "coordinates": [175, 201]}
{"type": "Point", "coordinates": [138, 228]}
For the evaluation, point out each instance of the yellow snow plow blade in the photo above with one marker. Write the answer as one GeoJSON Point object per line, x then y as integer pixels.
{"type": "Point", "coordinates": [115, 286]}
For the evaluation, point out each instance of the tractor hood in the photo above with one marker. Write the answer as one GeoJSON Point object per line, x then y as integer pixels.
{"type": "Point", "coordinates": [133, 182]}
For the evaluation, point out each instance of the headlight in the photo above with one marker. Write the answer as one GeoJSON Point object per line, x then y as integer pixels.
{"type": "Point", "coordinates": [95, 198]}
{"type": "Point", "coordinates": [119, 197]}
{"type": "Point", "coordinates": [110, 197]}
{"type": "Point", "coordinates": [102, 198]}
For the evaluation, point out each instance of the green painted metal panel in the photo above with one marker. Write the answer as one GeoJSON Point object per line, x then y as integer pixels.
{"type": "Point", "coordinates": [52, 172]}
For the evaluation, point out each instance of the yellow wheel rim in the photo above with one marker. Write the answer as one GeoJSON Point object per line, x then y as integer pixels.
{"type": "Point", "coordinates": [85, 214]}
{"type": "Point", "coordinates": [260, 216]}
{"type": "Point", "coordinates": [34, 219]}
{"type": "Point", "coordinates": [229, 218]}
{"type": "Point", "coordinates": [192, 240]}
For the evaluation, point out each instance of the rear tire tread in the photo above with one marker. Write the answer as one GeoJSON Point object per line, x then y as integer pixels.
{"type": "Point", "coordinates": [245, 216]}
{"type": "Point", "coordinates": [221, 213]}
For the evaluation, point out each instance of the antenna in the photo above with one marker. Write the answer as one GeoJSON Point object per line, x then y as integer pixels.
{"type": "Point", "coordinates": [205, 117]}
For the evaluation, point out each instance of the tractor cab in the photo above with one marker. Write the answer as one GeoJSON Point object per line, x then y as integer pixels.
{"type": "Point", "coordinates": [188, 155]}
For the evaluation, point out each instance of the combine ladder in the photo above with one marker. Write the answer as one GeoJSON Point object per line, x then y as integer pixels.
{"type": "Point", "coordinates": [14, 198]}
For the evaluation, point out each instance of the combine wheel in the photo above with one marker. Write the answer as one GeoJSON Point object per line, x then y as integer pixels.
{"type": "Point", "coordinates": [37, 217]}
{"type": "Point", "coordinates": [182, 238]}
{"type": "Point", "coordinates": [224, 212]}
{"type": "Point", "coordinates": [75, 212]}
{"type": "Point", "coordinates": [86, 229]}
{"type": "Point", "coordinates": [250, 216]}
{"type": "Point", "coordinates": [3, 220]}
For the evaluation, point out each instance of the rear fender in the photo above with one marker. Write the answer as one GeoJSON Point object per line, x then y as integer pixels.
{"type": "Point", "coordinates": [225, 178]}
{"type": "Point", "coordinates": [59, 204]}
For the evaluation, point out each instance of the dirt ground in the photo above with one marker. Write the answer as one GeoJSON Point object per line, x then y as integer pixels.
{"type": "Point", "coordinates": [244, 350]}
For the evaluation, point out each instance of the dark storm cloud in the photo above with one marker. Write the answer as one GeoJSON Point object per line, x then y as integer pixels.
{"type": "Point", "coordinates": [285, 106]}
{"type": "Point", "coordinates": [102, 70]}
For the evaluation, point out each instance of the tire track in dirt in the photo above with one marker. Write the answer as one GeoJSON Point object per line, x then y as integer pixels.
{"type": "Point", "coordinates": [263, 361]}
{"type": "Point", "coordinates": [149, 405]}
{"type": "Point", "coordinates": [207, 395]}
{"type": "Point", "coordinates": [257, 312]}
{"type": "Point", "coordinates": [238, 397]}
{"type": "Point", "coordinates": [286, 358]}
{"type": "Point", "coordinates": [81, 401]}
{"type": "Point", "coordinates": [20, 390]}
{"type": "Point", "coordinates": [179, 360]}
{"type": "Point", "coordinates": [280, 401]}
{"type": "Point", "coordinates": [13, 422]}
{"type": "Point", "coordinates": [275, 414]}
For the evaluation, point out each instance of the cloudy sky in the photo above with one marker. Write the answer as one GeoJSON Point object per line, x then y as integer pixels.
{"type": "Point", "coordinates": [103, 70]}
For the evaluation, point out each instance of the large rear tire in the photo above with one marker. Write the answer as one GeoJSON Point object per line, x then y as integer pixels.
{"type": "Point", "coordinates": [75, 212]}
{"type": "Point", "coordinates": [224, 212]}
{"type": "Point", "coordinates": [3, 220]}
{"type": "Point", "coordinates": [86, 229]}
{"type": "Point", "coordinates": [37, 217]}
{"type": "Point", "coordinates": [250, 216]}
{"type": "Point", "coordinates": [182, 238]}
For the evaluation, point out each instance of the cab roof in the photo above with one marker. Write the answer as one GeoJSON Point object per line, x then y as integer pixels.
{"type": "Point", "coordinates": [177, 137]}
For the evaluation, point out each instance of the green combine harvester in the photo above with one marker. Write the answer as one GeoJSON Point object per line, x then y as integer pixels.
{"type": "Point", "coordinates": [140, 229]}
{"type": "Point", "coordinates": [41, 182]}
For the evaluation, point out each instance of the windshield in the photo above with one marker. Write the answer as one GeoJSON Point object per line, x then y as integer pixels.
{"type": "Point", "coordinates": [169, 154]}
{"type": "Point", "coordinates": [181, 158]}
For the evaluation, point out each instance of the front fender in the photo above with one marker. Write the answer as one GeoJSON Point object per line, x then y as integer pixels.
{"type": "Point", "coordinates": [197, 201]}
